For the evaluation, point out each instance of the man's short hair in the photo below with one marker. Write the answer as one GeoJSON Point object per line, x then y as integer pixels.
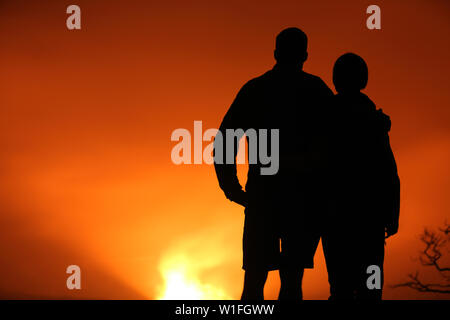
{"type": "Point", "coordinates": [291, 44]}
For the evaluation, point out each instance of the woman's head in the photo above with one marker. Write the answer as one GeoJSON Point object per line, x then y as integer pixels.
{"type": "Point", "coordinates": [350, 73]}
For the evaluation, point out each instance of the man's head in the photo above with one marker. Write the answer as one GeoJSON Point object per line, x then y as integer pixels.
{"type": "Point", "coordinates": [350, 73]}
{"type": "Point", "coordinates": [290, 47]}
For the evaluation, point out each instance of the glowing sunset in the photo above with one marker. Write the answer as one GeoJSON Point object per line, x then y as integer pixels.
{"type": "Point", "coordinates": [87, 117]}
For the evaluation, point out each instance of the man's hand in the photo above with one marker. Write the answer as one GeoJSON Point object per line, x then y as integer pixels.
{"type": "Point", "coordinates": [391, 229]}
{"type": "Point", "coordinates": [240, 198]}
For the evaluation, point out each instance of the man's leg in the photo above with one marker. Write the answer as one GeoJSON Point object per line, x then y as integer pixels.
{"type": "Point", "coordinates": [291, 284]}
{"type": "Point", "coordinates": [254, 281]}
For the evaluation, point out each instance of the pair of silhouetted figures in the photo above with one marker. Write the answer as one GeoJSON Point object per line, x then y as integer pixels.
{"type": "Point", "coordinates": [337, 177]}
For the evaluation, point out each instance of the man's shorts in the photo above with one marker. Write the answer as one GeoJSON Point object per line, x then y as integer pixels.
{"type": "Point", "coordinates": [279, 236]}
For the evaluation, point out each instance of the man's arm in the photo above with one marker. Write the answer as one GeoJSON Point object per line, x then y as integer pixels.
{"type": "Point", "coordinates": [226, 172]}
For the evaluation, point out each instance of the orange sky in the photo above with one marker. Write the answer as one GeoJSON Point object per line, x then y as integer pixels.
{"type": "Point", "coordinates": [86, 118]}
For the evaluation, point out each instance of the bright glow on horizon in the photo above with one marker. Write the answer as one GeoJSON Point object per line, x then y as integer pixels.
{"type": "Point", "coordinates": [181, 282]}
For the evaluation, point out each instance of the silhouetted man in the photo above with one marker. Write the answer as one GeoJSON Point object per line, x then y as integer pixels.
{"type": "Point", "coordinates": [365, 188]}
{"type": "Point", "coordinates": [283, 206]}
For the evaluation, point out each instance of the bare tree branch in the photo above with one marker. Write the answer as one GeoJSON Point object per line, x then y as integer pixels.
{"type": "Point", "coordinates": [429, 257]}
{"type": "Point", "coordinates": [418, 285]}
{"type": "Point", "coordinates": [432, 252]}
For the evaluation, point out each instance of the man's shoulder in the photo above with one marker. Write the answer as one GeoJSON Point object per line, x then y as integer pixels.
{"type": "Point", "coordinates": [257, 82]}
{"type": "Point", "coordinates": [270, 77]}
{"type": "Point", "coordinates": [314, 79]}
{"type": "Point", "coordinates": [263, 78]}
{"type": "Point", "coordinates": [317, 85]}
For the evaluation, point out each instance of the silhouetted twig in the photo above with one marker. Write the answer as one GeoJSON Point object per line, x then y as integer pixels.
{"type": "Point", "coordinates": [435, 244]}
{"type": "Point", "coordinates": [418, 285]}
